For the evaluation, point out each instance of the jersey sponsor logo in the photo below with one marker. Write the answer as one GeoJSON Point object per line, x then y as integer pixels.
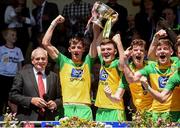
{"type": "Point", "coordinates": [76, 73]}
{"type": "Point", "coordinates": [162, 80]}
{"type": "Point", "coordinates": [103, 83]}
{"type": "Point", "coordinates": [103, 75]}
{"type": "Point", "coordinates": [76, 79]}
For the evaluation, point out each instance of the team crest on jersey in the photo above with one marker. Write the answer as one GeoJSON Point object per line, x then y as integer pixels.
{"type": "Point", "coordinates": [162, 80]}
{"type": "Point", "coordinates": [103, 75]}
{"type": "Point", "coordinates": [76, 73]}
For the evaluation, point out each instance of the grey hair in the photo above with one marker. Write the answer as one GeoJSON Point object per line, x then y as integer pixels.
{"type": "Point", "coordinates": [33, 54]}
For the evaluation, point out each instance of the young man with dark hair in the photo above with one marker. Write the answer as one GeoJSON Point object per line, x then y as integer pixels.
{"type": "Point", "coordinates": [75, 73]}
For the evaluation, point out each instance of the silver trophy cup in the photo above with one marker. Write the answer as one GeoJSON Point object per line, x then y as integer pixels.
{"type": "Point", "coordinates": [102, 13]}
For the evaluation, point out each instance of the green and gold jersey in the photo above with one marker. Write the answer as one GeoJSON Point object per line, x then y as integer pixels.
{"type": "Point", "coordinates": [173, 81]}
{"type": "Point", "coordinates": [141, 98]}
{"type": "Point", "coordinates": [109, 75]}
{"type": "Point", "coordinates": [75, 79]}
{"type": "Point", "coordinates": [173, 84]}
{"type": "Point", "coordinates": [158, 77]}
{"type": "Point", "coordinates": [175, 59]}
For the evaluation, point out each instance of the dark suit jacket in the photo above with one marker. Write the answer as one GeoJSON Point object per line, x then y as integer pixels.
{"type": "Point", "coordinates": [25, 87]}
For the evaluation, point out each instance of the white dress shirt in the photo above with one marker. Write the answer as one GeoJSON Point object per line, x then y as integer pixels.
{"type": "Point", "coordinates": [43, 77]}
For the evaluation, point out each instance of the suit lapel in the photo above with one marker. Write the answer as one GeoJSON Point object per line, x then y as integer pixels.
{"type": "Point", "coordinates": [48, 81]}
{"type": "Point", "coordinates": [33, 80]}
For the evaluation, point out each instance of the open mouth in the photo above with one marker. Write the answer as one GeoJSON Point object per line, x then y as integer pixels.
{"type": "Point", "coordinates": [76, 53]}
{"type": "Point", "coordinates": [138, 57]}
{"type": "Point", "coordinates": [106, 55]}
{"type": "Point", "coordinates": [162, 56]}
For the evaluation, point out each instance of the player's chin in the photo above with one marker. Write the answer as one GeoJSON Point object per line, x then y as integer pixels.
{"type": "Point", "coordinates": [163, 61]}
{"type": "Point", "coordinates": [107, 60]}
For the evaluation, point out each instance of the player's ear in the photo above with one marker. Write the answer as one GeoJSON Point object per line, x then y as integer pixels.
{"type": "Point", "coordinates": [115, 51]}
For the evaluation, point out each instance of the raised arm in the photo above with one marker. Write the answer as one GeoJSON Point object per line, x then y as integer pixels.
{"type": "Point", "coordinates": [52, 51]}
{"type": "Point", "coordinates": [98, 42]}
{"type": "Point", "coordinates": [151, 52]}
{"type": "Point", "coordinates": [96, 32]}
{"type": "Point", "coordinates": [117, 40]}
{"type": "Point", "coordinates": [129, 74]}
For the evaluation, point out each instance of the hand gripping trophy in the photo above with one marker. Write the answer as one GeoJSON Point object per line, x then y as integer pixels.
{"type": "Point", "coordinates": [103, 16]}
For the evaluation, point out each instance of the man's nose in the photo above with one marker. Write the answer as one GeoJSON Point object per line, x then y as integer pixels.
{"type": "Point", "coordinates": [138, 51]}
{"type": "Point", "coordinates": [106, 50]}
{"type": "Point", "coordinates": [76, 49]}
{"type": "Point", "coordinates": [162, 50]}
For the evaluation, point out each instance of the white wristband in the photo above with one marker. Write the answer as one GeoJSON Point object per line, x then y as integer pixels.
{"type": "Point", "coordinates": [53, 25]}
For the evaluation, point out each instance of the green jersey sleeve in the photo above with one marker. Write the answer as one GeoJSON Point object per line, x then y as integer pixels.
{"type": "Point", "coordinates": [147, 69]}
{"type": "Point", "coordinates": [173, 81]}
{"type": "Point", "coordinates": [123, 82]}
{"type": "Point", "coordinates": [61, 59]}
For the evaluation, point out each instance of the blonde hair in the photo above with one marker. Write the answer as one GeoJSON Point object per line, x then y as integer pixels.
{"type": "Point", "coordinates": [34, 52]}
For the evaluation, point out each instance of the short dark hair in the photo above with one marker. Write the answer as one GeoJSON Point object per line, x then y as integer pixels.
{"type": "Point", "coordinates": [139, 42]}
{"type": "Point", "coordinates": [5, 31]}
{"type": "Point", "coordinates": [165, 41]}
{"type": "Point", "coordinates": [108, 41]}
{"type": "Point", "coordinates": [75, 40]}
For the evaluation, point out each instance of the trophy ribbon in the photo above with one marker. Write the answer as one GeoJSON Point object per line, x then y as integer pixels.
{"type": "Point", "coordinates": [107, 28]}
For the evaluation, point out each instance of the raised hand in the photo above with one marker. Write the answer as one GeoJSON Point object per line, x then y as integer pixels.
{"type": "Point", "coordinates": [93, 11]}
{"type": "Point", "coordinates": [127, 53]}
{"type": "Point", "coordinates": [59, 19]}
{"type": "Point", "coordinates": [160, 34]}
{"type": "Point", "coordinates": [117, 38]}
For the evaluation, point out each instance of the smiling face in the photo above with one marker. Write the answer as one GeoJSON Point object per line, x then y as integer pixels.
{"type": "Point", "coordinates": [76, 49]}
{"type": "Point", "coordinates": [164, 51]}
{"type": "Point", "coordinates": [39, 59]}
{"type": "Point", "coordinates": [108, 52]}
